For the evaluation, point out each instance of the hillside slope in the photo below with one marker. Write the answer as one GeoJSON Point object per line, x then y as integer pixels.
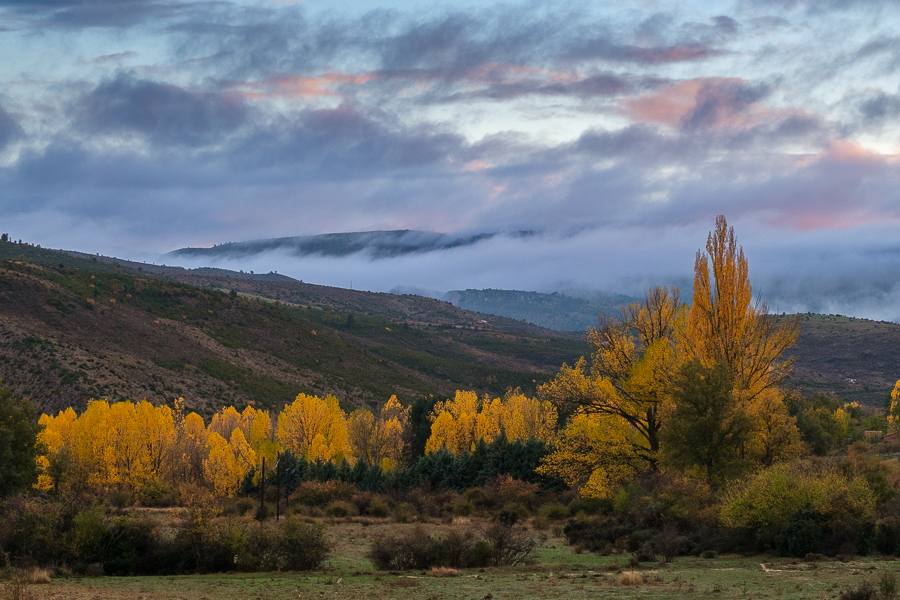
{"type": "Point", "coordinates": [856, 359]}
{"type": "Point", "coordinates": [554, 311]}
{"type": "Point", "coordinates": [92, 330]}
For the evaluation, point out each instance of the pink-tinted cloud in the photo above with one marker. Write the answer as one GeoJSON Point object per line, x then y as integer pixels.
{"type": "Point", "coordinates": [299, 86]}
{"type": "Point", "coordinates": [707, 103]}
{"type": "Point", "coordinates": [667, 106]}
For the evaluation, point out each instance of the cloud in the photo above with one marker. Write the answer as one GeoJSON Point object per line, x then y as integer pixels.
{"type": "Point", "coordinates": [881, 107]}
{"type": "Point", "coordinates": [74, 14]}
{"type": "Point", "coordinates": [163, 112]}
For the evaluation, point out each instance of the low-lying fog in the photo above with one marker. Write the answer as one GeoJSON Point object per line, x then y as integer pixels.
{"type": "Point", "coordinates": [851, 272]}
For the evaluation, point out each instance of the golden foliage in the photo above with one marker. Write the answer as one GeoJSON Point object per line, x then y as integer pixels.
{"type": "Point", "coordinates": [314, 428]}
{"type": "Point", "coordinates": [893, 416]}
{"type": "Point", "coordinates": [725, 324]}
{"type": "Point", "coordinates": [595, 453]}
{"type": "Point", "coordinates": [627, 386]}
{"type": "Point", "coordinates": [460, 423]}
{"type": "Point", "coordinates": [379, 441]}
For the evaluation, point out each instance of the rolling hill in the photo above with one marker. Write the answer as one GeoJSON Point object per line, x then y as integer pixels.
{"type": "Point", "coordinates": [75, 327]}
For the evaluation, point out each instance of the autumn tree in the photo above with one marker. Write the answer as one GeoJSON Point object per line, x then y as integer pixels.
{"type": "Point", "coordinates": [228, 463]}
{"type": "Point", "coordinates": [453, 424]}
{"type": "Point", "coordinates": [725, 324]}
{"type": "Point", "coordinates": [627, 388]}
{"type": "Point", "coordinates": [620, 394]}
{"type": "Point", "coordinates": [893, 412]}
{"type": "Point", "coordinates": [379, 441]}
{"type": "Point", "coordinates": [315, 429]}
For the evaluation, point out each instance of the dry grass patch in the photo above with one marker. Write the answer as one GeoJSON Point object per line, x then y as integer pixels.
{"type": "Point", "coordinates": [37, 576]}
{"type": "Point", "coordinates": [443, 572]}
{"type": "Point", "coordinates": [631, 578]}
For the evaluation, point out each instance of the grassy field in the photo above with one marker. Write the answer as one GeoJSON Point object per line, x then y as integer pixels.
{"type": "Point", "coordinates": [558, 572]}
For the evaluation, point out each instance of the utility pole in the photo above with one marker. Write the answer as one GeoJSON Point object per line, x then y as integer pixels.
{"type": "Point", "coordinates": [277, 486]}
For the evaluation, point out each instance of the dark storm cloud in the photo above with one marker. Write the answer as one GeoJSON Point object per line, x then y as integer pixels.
{"type": "Point", "coordinates": [163, 112]}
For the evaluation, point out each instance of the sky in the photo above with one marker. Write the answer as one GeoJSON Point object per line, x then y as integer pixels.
{"type": "Point", "coordinates": [615, 132]}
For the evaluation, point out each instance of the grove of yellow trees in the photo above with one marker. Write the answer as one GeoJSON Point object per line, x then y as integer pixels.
{"type": "Point", "coordinates": [130, 446]}
{"type": "Point", "coordinates": [460, 423]}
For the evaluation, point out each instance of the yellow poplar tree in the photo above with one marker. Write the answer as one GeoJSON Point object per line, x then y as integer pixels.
{"type": "Point", "coordinates": [314, 428]}
{"type": "Point", "coordinates": [453, 424]}
{"type": "Point", "coordinates": [379, 441]}
{"type": "Point", "coordinates": [524, 418]}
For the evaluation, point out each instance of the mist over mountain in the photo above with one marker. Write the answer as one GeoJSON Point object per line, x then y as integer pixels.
{"type": "Point", "coordinates": [838, 273]}
{"type": "Point", "coordinates": [375, 244]}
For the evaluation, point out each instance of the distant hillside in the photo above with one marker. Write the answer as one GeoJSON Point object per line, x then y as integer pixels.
{"type": "Point", "coordinates": [74, 328]}
{"type": "Point", "coordinates": [554, 311]}
{"type": "Point", "coordinates": [377, 244]}
{"type": "Point", "coordinates": [855, 359]}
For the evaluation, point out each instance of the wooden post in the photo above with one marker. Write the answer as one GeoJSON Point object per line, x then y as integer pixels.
{"type": "Point", "coordinates": [277, 486]}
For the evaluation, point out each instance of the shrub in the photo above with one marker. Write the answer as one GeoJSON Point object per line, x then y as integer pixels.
{"type": "Point", "coordinates": [511, 490]}
{"type": "Point", "coordinates": [413, 549]}
{"type": "Point", "coordinates": [244, 505]}
{"type": "Point", "coordinates": [301, 546]}
{"type": "Point", "coordinates": [481, 554]}
{"type": "Point", "coordinates": [457, 547]}
{"type": "Point", "coordinates": [463, 508]}
{"type": "Point", "coordinates": [554, 511]}
{"type": "Point", "coordinates": [341, 508]}
{"type": "Point", "coordinates": [589, 506]}
{"type": "Point", "coordinates": [317, 493]}
{"type": "Point", "coordinates": [16, 589]}
{"type": "Point", "coordinates": [379, 508]}
{"type": "Point", "coordinates": [510, 544]}
{"type": "Point", "coordinates": [156, 493]}
{"type": "Point", "coordinates": [785, 502]}
{"type": "Point", "coordinates": [887, 585]}
{"type": "Point", "coordinates": [865, 591]}
{"type": "Point", "coordinates": [667, 542]}
{"type": "Point", "coordinates": [404, 512]}
{"type": "Point", "coordinates": [37, 576]}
